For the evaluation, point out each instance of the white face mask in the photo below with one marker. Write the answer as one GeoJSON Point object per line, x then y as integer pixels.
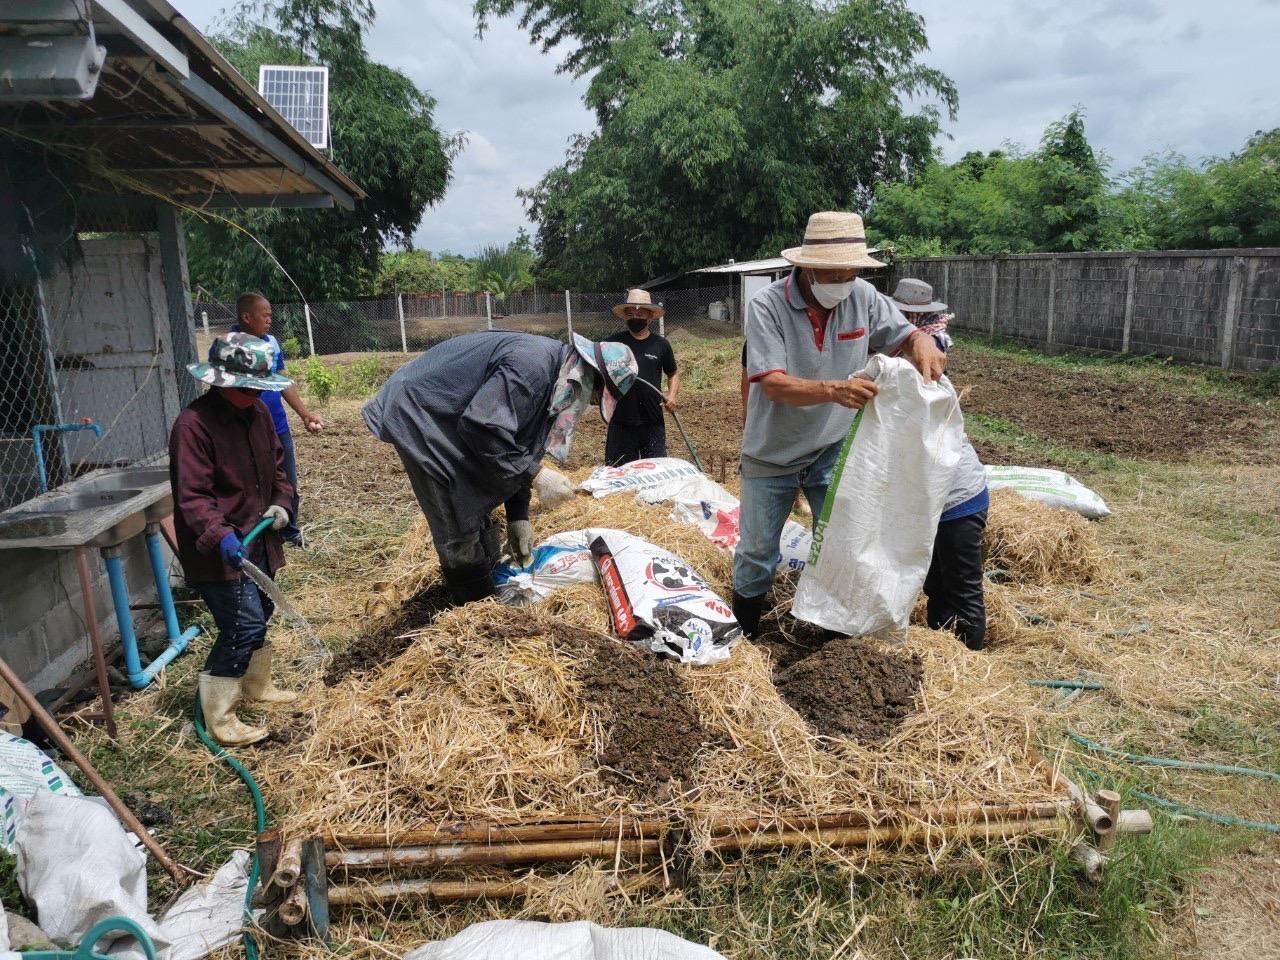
{"type": "Point", "coordinates": [830, 294]}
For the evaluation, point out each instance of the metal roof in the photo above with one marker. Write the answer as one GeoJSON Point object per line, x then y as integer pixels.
{"type": "Point", "coordinates": [772, 265]}
{"type": "Point", "coordinates": [171, 117]}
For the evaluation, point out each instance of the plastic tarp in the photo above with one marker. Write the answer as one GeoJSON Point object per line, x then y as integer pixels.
{"type": "Point", "coordinates": [874, 539]}
{"type": "Point", "coordinates": [580, 940]}
{"type": "Point", "coordinates": [25, 769]}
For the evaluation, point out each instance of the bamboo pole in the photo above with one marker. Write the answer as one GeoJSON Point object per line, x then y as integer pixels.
{"type": "Point", "coordinates": [446, 890]}
{"type": "Point", "coordinates": [289, 865]}
{"type": "Point", "coordinates": [1109, 801]}
{"type": "Point", "coordinates": [493, 833]}
{"type": "Point", "coordinates": [63, 743]}
{"type": "Point", "coordinates": [1134, 821]}
{"type": "Point", "coordinates": [885, 834]}
{"type": "Point", "coordinates": [293, 908]}
{"type": "Point", "coordinates": [932, 816]}
{"type": "Point", "coordinates": [551, 851]}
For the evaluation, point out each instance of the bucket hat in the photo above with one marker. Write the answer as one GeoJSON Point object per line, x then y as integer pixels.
{"type": "Point", "coordinates": [240, 360]}
{"type": "Point", "coordinates": [638, 299]}
{"type": "Point", "coordinates": [617, 368]}
{"type": "Point", "coordinates": [915, 296]}
{"type": "Point", "coordinates": [833, 240]}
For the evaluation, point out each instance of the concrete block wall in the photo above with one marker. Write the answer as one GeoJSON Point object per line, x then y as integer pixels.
{"type": "Point", "coordinates": [41, 616]}
{"type": "Point", "coordinates": [1219, 307]}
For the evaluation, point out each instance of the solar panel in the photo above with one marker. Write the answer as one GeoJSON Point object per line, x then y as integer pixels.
{"type": "Point", "coordinates": [301, 96]}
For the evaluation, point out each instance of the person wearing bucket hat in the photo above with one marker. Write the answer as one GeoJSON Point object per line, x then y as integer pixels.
{"type": "Point", "coordinates": [638, 430]}
{"type": "Point", "coordinates": [226, 468]}
{"type": "Point", "coordinates": [472, 420]}
{"type": "Point", "coordinates": [807, 335]}
{"type": "Point", "coordinates": [953, 587]}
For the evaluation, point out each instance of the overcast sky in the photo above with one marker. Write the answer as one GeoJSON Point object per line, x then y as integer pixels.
{"type": "Point", "coordinates": [1191, 76]}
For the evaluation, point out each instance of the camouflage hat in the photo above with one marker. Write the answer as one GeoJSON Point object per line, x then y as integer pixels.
{"type": "Point", "coordinates": [241, 360]}
{"type": "Point", "coordinates": [618, 365]}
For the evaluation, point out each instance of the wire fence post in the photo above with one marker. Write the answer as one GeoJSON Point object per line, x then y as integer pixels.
{"type": "Point", "coordinates": [311, 338]}
{"type": "Point", "coordinates": [404, 340]}
{"type": "Point", "coordinates": [488, 310]}
{"type": "Point", "coordinates": [204, 321]}
{"type": "Point", "coordinates": [662, 319]}
{"type": "Point", "coordinates": [568, 313]}
{"type": "Point", "coordinates": [444, 303]}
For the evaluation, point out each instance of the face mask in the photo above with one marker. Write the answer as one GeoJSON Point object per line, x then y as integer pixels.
{"type": "Point", "coordinates": [637, 324]}
{"type": "Point", "coordinates": [830, 294]}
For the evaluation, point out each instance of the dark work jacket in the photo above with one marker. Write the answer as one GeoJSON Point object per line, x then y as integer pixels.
{"type": "Point", "coordinates": [226, 466]}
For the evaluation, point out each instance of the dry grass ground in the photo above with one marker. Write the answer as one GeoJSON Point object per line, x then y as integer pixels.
{"type": "Point", "coordinates": [1178, 615]}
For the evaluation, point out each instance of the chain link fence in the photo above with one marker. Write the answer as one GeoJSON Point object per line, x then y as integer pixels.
{"type": "Point", "coordinates": [87, 375]}
{"type": "Point", "coordinates": [412, 322]}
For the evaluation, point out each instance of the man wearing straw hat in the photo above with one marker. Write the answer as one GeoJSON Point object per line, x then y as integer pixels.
{"type": "Point", "coordinates": [806, 336]}
{"type": "Point", "coordinates": [637, 430]}
{"type": "Point", "coordinates": [953, 586]}
{"type": "Point", "coordinates": [473, 418]}
{"type": "Point", "coordinates": [227, 471]}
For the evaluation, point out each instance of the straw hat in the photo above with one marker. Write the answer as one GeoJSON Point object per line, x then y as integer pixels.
{"type": "Point", "coordinates": [833, 241]}
{"type": "Point", "coordinates": [640, 299]}
{"type": "Point", "coordinates": [240, 360]}
{"type": "Point", "coordinates": [915, 296]}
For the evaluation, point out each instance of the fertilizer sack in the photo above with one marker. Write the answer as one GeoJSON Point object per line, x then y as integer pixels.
{"type": "Point", "coordinates": [873, 541]}
{"type": "Point", "coordinates": [659, 603]}
{"type": "Point", "coordinates": [638, 475]}
{"type": "Point", "coordinates": [559, 561]}
{"type": "Point", "coordinates": [1051, 487]}
{"type": "Point", "coordinates": [700, 501]}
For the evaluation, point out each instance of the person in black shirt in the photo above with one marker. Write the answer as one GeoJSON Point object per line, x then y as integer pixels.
{"type": "Point", "coordinates": [638, 430]}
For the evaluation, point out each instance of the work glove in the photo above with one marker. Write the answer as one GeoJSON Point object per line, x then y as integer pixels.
{"type": "Point", "coordinates": [520, 542]}
{"type": "Point", "coordinates": [231, 550]}
{"type": "Point", "coordinates": [279, 517]}
{"type": "Point", "coordinates": [552, 488]}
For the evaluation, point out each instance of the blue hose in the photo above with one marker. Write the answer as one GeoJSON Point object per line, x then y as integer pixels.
{"type": "Point", "coordinates": [1142, 758]}
{"type": "Point", "coordinates": [259, 814]}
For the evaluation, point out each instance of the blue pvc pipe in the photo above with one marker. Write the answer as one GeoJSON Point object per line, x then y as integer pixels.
{"type": "Point", "coordinates": [124, 620]}
{"type": "Point", "coordinates": [42, 428]}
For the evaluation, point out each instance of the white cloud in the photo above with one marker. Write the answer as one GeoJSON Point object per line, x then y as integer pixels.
{"type": "Point", "coordinates": [1150, 75]}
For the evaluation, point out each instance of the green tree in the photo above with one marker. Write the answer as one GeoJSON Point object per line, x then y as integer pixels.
{"type": "Point", "coordinates": [722, 124]}
{"type": "Point", "coordinates": [417, 271]}
{"type": "Point", "coordinates": [1072, 196]}
{"type": "Point", "coordinates": [384, 138]}
{"type": "Point", "coordinates": [504, 270]}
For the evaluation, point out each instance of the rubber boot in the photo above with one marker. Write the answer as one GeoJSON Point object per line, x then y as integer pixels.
{"type": "Point", "coordinates": [469, 583]}
{"type": "Point", "coordinates": [219, 697]}
{"type": "Point", "coordinates": [973, 635]}
{"type": "Point", "coordinates": [258, 686]}
{"type": "Point", "coordinates": [747, 611]}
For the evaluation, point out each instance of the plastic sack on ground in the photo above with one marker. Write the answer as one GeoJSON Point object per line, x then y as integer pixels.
{"type": "Point", "coordinates": [874, 539]}
{"type": "Point", "coordinates": [657, 601]}
{"type": "Point", "coordinates": [1051, 487]}
{"type": "Point", "coordinates": [210, 914]}
{"type": "Point", "coordinates": [25, 769]}
{"type": "Point", "coordinates": [580, 940]}
{"type": "Point", "coordinates": [637, 475]}
{"type": "Point", "coordinates": [78, 866]}
{"type": "Point", "coordinates": [558, 562]}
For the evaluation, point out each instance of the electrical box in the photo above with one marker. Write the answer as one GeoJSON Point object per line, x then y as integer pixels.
{"type": "Point", "coordinates": [45, 67]}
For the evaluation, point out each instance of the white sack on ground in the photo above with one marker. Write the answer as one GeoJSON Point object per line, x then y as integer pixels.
{"type": "Point", "coordinates": [24, 769]}
{"type": "Point", "coordinates": [559, 561]}
{"type": "Point", "coordinates": [659, 472]}
{"type": "Point", "coordinates": [580, 940]}
{"type": "Point", "coordinates": [78, 866]}
{"type": "Point", "coordinates": [1052, 487]}
{"type": "Point", "coordinates": [210, 914]}
{"type": "Point", "coordinates": [659, 602]}
{"type": "Point", "coordinates": [873, 541]}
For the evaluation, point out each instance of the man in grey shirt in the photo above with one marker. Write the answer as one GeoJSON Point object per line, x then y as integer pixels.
{"type": "Point", "coordinates": [806, 334]}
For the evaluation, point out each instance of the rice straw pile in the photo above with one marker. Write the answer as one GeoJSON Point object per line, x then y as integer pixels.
{"type": "Point", "coordinates": [1038, 544]}
{"type": "Point", "coordinates": [482, 718]}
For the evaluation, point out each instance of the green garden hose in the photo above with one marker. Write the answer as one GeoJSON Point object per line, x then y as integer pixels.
{"type": "Point", "coordinates": [1225, 819]}
{"type": "Point", "coordinates": [1141, 758]}
{"type": "Point", "coordinates": [259, 814]}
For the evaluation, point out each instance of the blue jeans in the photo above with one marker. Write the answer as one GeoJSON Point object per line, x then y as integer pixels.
{"type": "Point", "coordinates": [291, 533]}
{"type": "Point", "coordinates": [241, 612]}
{"type": "Point", "coordinates": [766, 505]}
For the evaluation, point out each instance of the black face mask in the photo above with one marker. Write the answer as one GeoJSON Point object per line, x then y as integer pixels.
{"type": "Point", "coordinates": [636, 324]}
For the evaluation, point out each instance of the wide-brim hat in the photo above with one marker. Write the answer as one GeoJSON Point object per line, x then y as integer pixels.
{"type": "Point", "coordinates": [240, 360]}
{"type": "Point", "coordinates": [915, 296]}
{"type": "Point", "coordinates": [615, 364]}
{"type": "Point", "coordinates": [833, 241]}
{"type": "Point", "coordinates": [640, 299]}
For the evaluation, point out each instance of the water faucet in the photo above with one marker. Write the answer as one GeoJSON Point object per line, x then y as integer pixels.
{"type": "Point", "coordinates": [40, 429]}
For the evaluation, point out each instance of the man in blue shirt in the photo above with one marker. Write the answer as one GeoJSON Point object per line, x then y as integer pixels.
{"type": "Point", "coordinates": [253, 316]}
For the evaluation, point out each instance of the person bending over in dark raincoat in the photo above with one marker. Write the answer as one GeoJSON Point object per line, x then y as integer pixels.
{"type": "Point", "coordinates": [472, 419]}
